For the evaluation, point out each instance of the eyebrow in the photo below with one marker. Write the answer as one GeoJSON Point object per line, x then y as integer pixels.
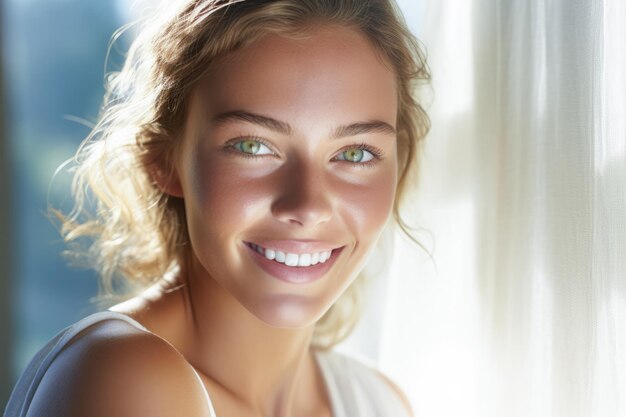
{"type": "Point", "coordinates": [352, 129]}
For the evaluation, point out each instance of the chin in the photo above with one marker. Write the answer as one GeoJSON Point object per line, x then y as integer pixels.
{"type": "Point", "coordinates": [289, 311]}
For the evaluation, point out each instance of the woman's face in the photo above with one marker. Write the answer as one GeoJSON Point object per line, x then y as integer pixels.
{"type": "Point", "coordinates": [303, 108]}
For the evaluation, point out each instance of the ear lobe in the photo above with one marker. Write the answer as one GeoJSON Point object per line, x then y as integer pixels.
{"type": "Point", "coordinates": [169, 183]}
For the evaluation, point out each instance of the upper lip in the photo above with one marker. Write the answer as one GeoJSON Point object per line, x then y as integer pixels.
{"type": "Point", "coordinates": [296, 246]}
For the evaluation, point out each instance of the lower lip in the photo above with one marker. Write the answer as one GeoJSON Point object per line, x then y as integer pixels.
{"type": "Point", "coordinates": [294, 274]}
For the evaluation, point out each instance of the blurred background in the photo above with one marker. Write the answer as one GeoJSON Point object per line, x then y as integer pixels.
{"type": "Point", "coordinates": [53, 57]}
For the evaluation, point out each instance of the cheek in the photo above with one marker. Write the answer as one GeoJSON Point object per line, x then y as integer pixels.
{"type": "Point", "coordinates": [366, 205]}
{"type": "Point", "coordinates": [223, 197]}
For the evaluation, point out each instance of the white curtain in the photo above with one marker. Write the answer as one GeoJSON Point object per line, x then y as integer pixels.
{"type": "Point", "coordinates": [523, 194]}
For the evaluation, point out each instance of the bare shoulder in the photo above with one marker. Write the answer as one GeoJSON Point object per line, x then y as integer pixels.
{"type": "Point", "coordinates": [398, 391]}
{"type": "Point", "coordinates": [114, 369]}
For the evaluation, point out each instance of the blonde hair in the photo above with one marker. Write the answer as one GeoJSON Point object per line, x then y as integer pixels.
{"type": "Point", "coordinates": [137, 234]}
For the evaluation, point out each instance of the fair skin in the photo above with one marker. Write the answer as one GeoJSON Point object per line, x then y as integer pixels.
{"type": "Point", "coordinates": [246, 333]}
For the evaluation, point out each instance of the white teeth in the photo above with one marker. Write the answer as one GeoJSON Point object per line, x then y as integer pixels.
{"type": "Point", "coordinates": [280, 257]}
{"type": "Point", "coordinates": [292, 259]}
{"type": "Point", "coordinates": [304, 260]}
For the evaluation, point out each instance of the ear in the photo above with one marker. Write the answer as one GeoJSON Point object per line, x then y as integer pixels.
{"type": "Point", "coordinates": [168, 182]}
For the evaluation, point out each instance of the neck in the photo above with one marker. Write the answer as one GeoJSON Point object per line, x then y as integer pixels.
{"type": "Point", "coordinates": [260, 367]}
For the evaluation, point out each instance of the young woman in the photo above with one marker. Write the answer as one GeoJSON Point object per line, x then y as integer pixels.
{"type": "Point", "coordinates": [248, 158]}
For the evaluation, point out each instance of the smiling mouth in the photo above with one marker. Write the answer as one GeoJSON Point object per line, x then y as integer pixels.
{"type": "Point", "coordinates": [296, 269]}
{"type": "Point", "coordinates": [293, 259]}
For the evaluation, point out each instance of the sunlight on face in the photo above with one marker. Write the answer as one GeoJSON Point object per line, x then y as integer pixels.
{"type": "Point", "coordinates": [284, 140]}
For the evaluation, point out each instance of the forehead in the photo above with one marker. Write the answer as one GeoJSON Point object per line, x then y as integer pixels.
{"type": "Point", "coordinates": [335, 73]}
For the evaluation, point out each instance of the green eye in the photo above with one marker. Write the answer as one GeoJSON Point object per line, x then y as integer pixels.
{"type": "Point", "coordinates": [251, 147]}
{"type": "Point", "coordinates": [356, 155]}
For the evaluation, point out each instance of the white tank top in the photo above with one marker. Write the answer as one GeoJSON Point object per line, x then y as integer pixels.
{"type": "Point", "coordinates": [353, 385]}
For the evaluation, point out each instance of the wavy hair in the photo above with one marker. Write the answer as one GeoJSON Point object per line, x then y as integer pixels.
{"type": "Point", "coordinates": [122, 224]}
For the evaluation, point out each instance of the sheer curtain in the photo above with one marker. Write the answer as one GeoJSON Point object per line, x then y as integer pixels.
{"type": "Point", "coordinates": [522, 311]}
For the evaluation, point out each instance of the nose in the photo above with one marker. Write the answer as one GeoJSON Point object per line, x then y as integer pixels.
{"type": "Point", "coordinates": [304, 199]}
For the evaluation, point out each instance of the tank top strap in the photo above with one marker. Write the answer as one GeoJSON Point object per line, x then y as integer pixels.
{"type": "Point", "coordinates": [106, 315]}
{"type": "Point", "coordinates": [356, 388]}
{"type": "Point", "coordinates": [26, 385]}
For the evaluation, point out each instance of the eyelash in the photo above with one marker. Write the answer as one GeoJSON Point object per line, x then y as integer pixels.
{"type": "Point", "coordinates": [376, 152]}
